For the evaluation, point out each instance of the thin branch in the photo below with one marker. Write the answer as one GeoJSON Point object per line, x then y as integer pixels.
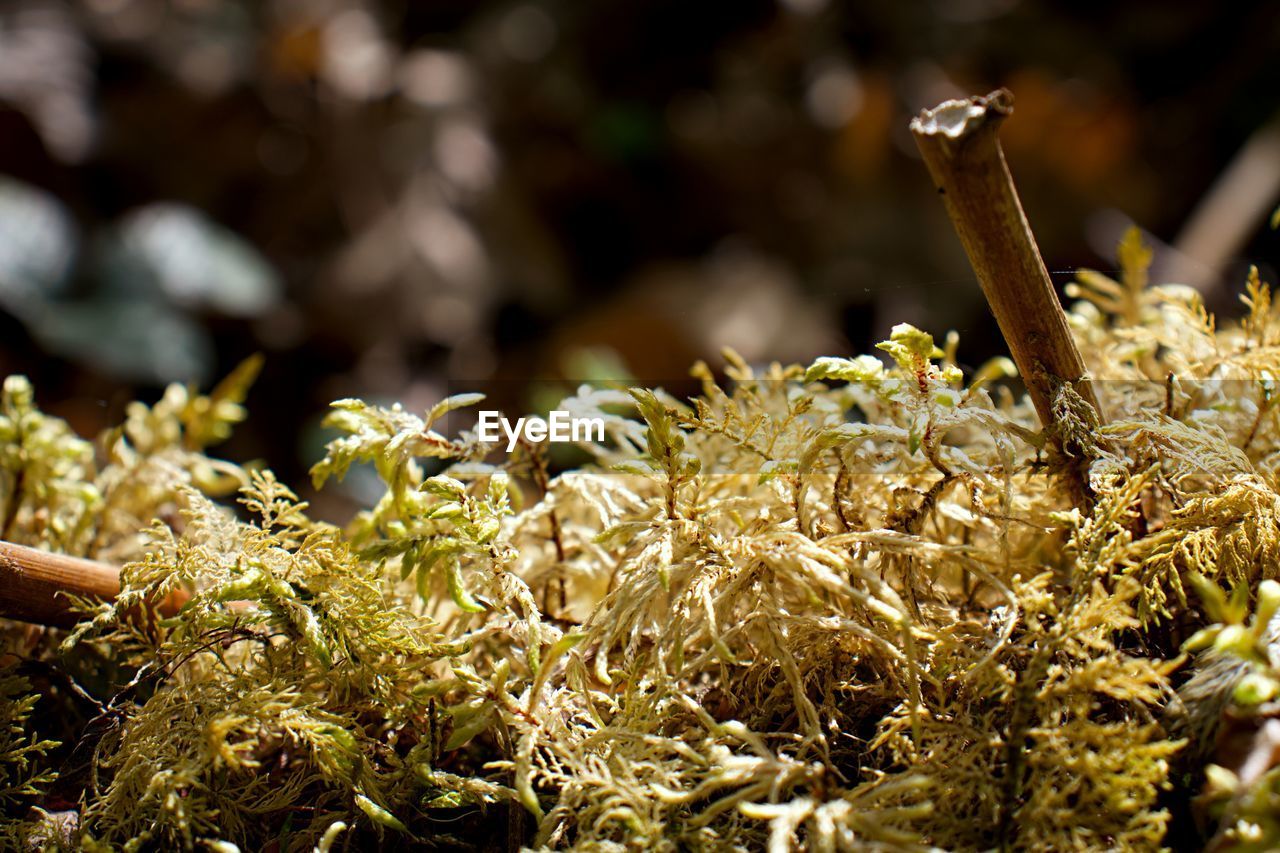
{"type": "Point", "coordinates": [958, 140]}
{"type": "Point", "coordinates": [35, 585]}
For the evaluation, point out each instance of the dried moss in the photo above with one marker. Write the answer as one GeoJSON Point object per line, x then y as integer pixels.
{"type": "Point", "coordinates": [852, 606]}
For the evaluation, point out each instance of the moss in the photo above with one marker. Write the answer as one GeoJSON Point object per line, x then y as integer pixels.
{"type": "Point", "coordinates": [848, 606]}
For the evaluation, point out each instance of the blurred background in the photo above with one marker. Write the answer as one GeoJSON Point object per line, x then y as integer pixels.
{"type": "Point", "coordinates": [398, 200]}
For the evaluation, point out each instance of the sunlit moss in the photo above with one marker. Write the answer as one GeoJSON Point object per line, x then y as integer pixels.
{"type": "Point", "coordinates": [853, 606]}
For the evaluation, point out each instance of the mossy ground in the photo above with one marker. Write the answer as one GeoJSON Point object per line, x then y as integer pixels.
{"type": "Point", "coordinates": [847, 607]}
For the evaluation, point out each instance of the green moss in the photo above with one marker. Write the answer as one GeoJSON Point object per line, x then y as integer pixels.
{"type": "Point", "coordinates": [753, 620]}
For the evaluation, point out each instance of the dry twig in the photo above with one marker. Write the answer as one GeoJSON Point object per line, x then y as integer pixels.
{"type": "Point", "coordinates": [35, 585]}
{"type": "Point", "coordinates": [958, 140]}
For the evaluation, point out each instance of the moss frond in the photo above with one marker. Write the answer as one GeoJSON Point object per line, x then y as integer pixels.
{"type": "Point", "coordinates": [848, 606]}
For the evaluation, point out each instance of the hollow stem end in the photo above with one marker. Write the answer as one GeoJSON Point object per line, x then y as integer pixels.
{"type": "Point", "coordinates": [962, 118]}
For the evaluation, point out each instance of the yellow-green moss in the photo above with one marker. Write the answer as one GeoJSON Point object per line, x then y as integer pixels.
{"type": "Point", "coordinates": [847, 607]}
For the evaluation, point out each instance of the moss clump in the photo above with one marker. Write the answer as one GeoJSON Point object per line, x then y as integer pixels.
{"type": "Point", "coordinates": [847, 607]}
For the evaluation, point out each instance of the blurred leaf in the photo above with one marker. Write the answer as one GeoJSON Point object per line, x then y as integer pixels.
{"type": "Point", "coordinates": [178, 252]}
{"type": "Point", "coordinates": [134, 340]}
{"type": "Point", "coordinates": [37, 243]}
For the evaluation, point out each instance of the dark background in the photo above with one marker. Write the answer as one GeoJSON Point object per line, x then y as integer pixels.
{"type": "Point", "coordinates": [401, 200]}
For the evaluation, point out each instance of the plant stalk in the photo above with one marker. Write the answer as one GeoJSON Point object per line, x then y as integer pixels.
{"type": "Point", "coordinates": [958, 141]}
{"type": "Point", "coordinates": [34, 585]}
{"type": "Point", "coordinates": [31, 580]}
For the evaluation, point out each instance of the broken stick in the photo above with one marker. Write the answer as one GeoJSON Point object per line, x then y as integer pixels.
{"type": "Point", "coordinates": [959, 144]}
